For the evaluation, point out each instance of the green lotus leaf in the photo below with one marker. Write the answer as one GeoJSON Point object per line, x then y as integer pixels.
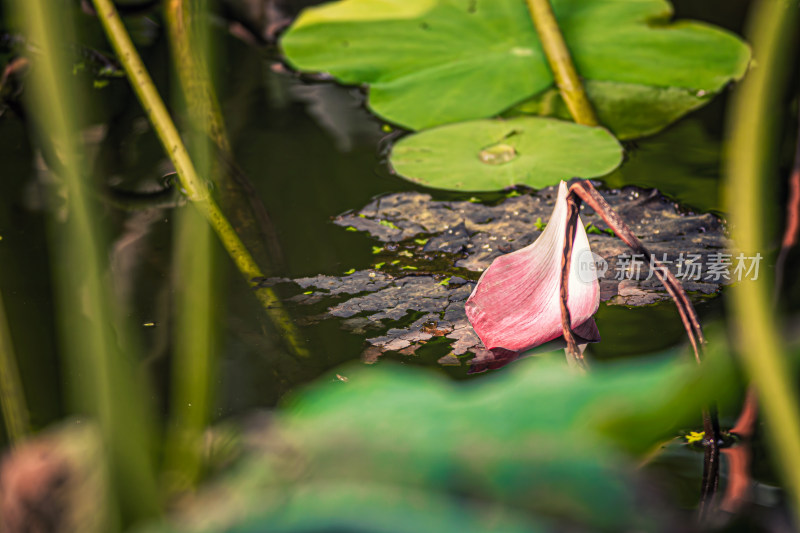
{"type": "Point", "coordinates": [628, 110]}
{"type": "Point", "coordinates": [432, 62]}
{"type": "Point", "coordinates": [486, 155]}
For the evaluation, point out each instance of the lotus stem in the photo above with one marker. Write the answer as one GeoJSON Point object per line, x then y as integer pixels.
{"type": "Point", "coordinates": [573, 352]}
{"type": "Point", "coordinates": [745, 424]}
{"type": "Point", "coordinates": [193, 363]}
{"type": "Point", "coordinates": [750, 166]}
{"type": "Point", "coordinates": [740, 456]}
{"type": "Point", "coordinates": [712, 437]}
{"type": "Point", "coordinates": [558, 56]}
{"type": "Point", "coordinates": [98, 359]}
{"type": "Point", "coordinates": [192, 68]}
{"type": "Point", "coordinates": [237, 194]}
{"type": "Point", "coordinates": [585, 191]}
{"type": "Point", "coordinates": [194, 281]}
{"type": "Point", "coordinates": [196, 189]}
{"type": "Point", "coordinates": [12, 397]}
{"type": "Point", "coordinates": [792, 230]}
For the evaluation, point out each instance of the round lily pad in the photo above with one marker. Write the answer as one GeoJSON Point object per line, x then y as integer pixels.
{"type": "Point", "coordinates": [487, 155]}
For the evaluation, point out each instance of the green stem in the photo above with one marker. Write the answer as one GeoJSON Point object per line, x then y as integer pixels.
{"type": "Point", "coordinates": [566, 77]}
{"type": "Point", "coordinates": [191, 63]}
{"type": "Point", "coordinates": [195, 188]}
{"type": "Point", "coordinates": [750, 170]}
{"type": "Point", "coordinates": [188, 39]}
{"type": "Point", "coordinates": [193, 279]}
{"type": "Point", "coordinates": [98, 353]}
{"type": "Point", "coordinates": [12, 399]}
{"type": "Point", "coordinates": [193, 363]}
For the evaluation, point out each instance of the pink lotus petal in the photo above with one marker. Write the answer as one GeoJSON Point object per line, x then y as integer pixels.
{"type": "Point", "coordinates": [515, 305]}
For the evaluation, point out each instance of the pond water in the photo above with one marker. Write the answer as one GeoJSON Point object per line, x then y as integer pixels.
{"type": "Point", "coordinates": [312, 152]}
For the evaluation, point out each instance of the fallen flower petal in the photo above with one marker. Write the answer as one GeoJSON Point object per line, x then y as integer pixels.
{"type": "Point", "coordinates": [515, 305]}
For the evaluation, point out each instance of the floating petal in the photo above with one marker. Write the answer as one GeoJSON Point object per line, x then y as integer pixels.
{"type": "Point", "coordinates": [516, 304]}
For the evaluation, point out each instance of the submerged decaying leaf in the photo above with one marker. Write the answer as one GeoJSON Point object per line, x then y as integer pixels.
{"type": "Point", "coordinates": [434, 251]}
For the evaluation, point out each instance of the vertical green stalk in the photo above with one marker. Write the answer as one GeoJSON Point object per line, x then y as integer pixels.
{"type": "Point", "coordinates": [190, 55]}
{"type": "Point", "coordinates": [566, 77]}
{"type": "Point", "coordinates": [99, 370]}
{"type": "Point", "coordinates": [12, 398]}
{"type": "Point", "coordinates": [750, 170]}
{"type": "Point", "coordinates": [193, 358]}
{"type": "Point", "coordinates": [237, 196]}
{"type": "Point", "coordinates": [196, 189]}
{"type": "Point", "coordinates": [195, 286]}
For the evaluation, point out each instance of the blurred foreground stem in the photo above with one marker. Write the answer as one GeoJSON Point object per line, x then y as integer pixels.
{"type": "Point", "coordinates": [193, 362]}
{"type": "Point", "coordinates": [750, 171]}
{"type": "Point", "coordinates": [196, 188]}
{"type": "Point", "coordinates": [98, 364]}
{"type": "Point", "coordinates": [566, 77]}
{"type": "Point", "coordinates": [12, 397]}
{"type": "Point", "coordinates": [195, 284]}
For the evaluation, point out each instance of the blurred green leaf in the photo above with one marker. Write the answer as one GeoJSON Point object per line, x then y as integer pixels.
{"type": "Point", "coordinates": [396, 449]}
{"type": "Point", "coordinates": [485, 155]}
{"type": "Point", "coordinates": [351, 507]}
{"type": "Point", "coordinates": [431, 62]}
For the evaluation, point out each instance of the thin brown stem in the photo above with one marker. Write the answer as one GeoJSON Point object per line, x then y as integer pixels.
{"type": "Point", "coordinates": [740, 456]}
{"type": "Point", "coordinates": [585, 191]}
{"type": "Point", "coordinates": [792, 231]}
{"type": "Point", "coordinates": [746, 423]}
{"type": "Point", "coordinates": [573, 352]}
{"type": "Point", "coordinates": [710, 481]}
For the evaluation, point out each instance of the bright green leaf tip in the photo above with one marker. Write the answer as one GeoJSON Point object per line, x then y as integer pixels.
{"type": "Point", "coordinates": [388, 224]}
